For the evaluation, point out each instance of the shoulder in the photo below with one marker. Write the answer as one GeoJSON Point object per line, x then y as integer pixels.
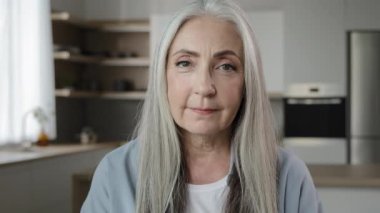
{"type": "Point", "coordinates": [122, 161]}
{"type": "Point", "coordinates": [114, 181]}
{"type": "Point", "coordinates": [296, 189]}
{"type": "Point", "coordinates": [127, 153]}
{"type": "Point", "coordinates": [290, 166]}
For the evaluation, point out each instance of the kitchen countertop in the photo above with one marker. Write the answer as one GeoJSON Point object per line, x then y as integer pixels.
{"type": "Point", "coordinates": [18, 155]}
{"type": "Point", "coordinates": [366, 175]}
{"type": "Point", "coordinates": [324, 175]}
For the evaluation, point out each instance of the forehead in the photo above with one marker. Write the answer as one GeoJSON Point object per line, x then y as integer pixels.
{"type": "Point", "coordinates": [207, 32]}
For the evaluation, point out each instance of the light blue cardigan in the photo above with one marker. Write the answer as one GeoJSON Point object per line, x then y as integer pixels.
{"type": "Point", "coordinates": [114, 184]}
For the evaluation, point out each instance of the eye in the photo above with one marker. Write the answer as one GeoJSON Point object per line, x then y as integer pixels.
{"type": "Point", "coordinates": [182, 64]}
{"type": "Point", "coordinates": [227, 67]}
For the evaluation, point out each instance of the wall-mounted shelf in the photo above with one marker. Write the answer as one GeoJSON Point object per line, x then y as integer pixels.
{"type": "Point", "coordinates": [133, 62]}
{"type": "Point", "coordinates": [132, 95]}
{"type": "Point", "coordinates": [132, 26]}
{"type": "Point", "coordinates": [111, 57]}
{"type": "Point", "coordinates": [60, 16]}
{"type": "Point", "coordinates": [63, 16]}
{"type": "Point", "coordinates": [275, 95]}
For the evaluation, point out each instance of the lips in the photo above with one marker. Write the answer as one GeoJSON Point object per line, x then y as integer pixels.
{"type": "Point", "coordinates": [203, 111]}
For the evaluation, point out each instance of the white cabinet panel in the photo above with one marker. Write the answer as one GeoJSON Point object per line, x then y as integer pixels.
{"type": "Point", "coordinates": [315, 42]}
{"type": "Point", "coordinates": [268, 29]}
{"type": "Point", "coordinates": [343, 200]}
{"type": "Point", "coordinates": [363, 14]}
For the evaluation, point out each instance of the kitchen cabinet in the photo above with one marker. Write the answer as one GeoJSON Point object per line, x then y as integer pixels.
{"type": "Point", "coordinates": [269, 32]}
{"type": "Point", "coordinates": [362, 15]}
{"type": "Point", "coordinates": [101, 70]}
{"type": "Point", "coordinates": [349, 199]}
{"type": "Point", "coordinates": [45, 185]}
{"type": "Point", "coordinates": [315, 42]}
{"type": "Point", "coordinates": [348, 188]}
{"type": "Point", "coordinates": [81, 187]}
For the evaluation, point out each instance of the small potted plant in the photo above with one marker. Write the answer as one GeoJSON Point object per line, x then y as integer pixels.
{"type": "Point", "coordinates": [42, 119]}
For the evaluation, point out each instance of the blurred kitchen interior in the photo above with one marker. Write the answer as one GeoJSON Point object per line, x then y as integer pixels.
{"type": "Point", "coordinates": [321, 63]}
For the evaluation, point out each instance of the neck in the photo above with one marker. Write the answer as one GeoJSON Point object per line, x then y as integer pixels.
{"type": "Point", "coordinates": [207, 157]}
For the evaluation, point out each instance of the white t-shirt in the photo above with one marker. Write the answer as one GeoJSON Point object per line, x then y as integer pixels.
{"type": "Point", "coordinates": [207, 198]}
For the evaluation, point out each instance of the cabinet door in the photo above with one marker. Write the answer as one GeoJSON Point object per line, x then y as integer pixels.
{"type": "Point", "coordinates": [315, 42]}
{"type": "Point", "coordinates": [363, 14]}
{"type": "Point", "coordinates": [268, 29]}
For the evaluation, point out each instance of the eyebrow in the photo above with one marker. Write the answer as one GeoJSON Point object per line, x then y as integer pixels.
{"type": "Point", "coordinates": [225, 52]}
{"type": "Point", "coordinates": [217, 54]}
{"type": "Point", "coordinates": [189, 52]}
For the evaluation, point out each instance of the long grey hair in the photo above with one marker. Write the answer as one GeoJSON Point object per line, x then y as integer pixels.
{"type": "Point", "coordinates": [162, 180]}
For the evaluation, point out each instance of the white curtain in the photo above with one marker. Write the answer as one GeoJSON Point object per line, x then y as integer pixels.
{"type": "Point", "coordinates": [26, 70]}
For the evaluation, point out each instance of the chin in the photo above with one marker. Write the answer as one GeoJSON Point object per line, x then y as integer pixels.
{"type": "Point", "coordinates": [204, 130]}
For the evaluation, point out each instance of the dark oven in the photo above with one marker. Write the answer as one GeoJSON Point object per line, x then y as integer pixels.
{"type": "Point", "coordinates": [315, 117]}
{"type": "Point", "coordinates": [315, 123]}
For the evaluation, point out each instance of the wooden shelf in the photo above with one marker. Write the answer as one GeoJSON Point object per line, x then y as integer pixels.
{"type": "Point", "coordinates": [118, 26]}
{"type": "Point", "coordinates": [134, 26]}
{"type": "Point", "coordinates": [133, 62]}
{"type": "Point", "coordinates": [132, 95]}
{"type": "Point", "coordinates": [62, 16]}
{"type": "Point", "coordinates": [275, 95]}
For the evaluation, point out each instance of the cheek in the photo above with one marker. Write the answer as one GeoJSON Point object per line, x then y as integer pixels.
{"type": "Point", "coordinates": [232, 92]}
{"type": "Point", "coordinates": [177, 91]}
{"type": "Point", "coordinates": [171, 89]}
{"type": "Point", "coordinates": [233, 100]}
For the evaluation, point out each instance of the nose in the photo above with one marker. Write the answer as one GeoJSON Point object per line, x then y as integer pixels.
{"type": "Point", "coordinates": [204, 83]}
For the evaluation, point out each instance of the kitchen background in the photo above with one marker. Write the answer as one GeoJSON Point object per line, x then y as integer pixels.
{"type": "Point", "coordinates": [101, 58]}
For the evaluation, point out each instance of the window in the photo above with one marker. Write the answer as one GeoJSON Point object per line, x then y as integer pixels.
{"type": "Point", "coordinates": [26, 71]}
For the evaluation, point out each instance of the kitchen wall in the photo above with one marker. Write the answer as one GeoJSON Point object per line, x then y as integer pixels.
{"type": "Point", "coordinates": [311, 42]}
{"type": "Point", "coordinates": [116, 9]}
{"type": "Point", "coordinates": [314, 30]}
{"type": "Point", "coordinates": [75, 7]}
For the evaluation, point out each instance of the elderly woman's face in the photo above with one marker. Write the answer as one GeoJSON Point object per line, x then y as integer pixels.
{"type": "Point", "coordinates": [205, 76]}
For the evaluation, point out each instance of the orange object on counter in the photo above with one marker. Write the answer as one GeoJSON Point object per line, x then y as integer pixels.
{"type": "Point", "coordinates": [43, 139]}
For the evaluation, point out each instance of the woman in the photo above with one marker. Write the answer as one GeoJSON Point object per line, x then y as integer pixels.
{"type": "Point", "coordinates": [205, 142]}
